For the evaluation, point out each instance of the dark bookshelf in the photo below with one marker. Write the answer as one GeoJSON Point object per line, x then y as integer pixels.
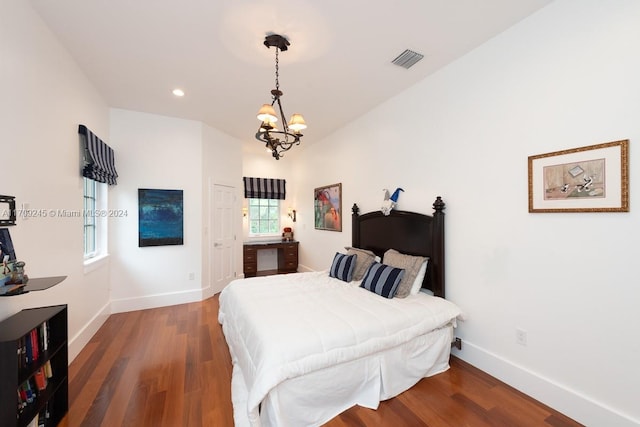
{"type": "Point", "coordinates": [19, 366]}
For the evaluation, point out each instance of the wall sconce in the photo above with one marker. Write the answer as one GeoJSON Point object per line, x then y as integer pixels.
{"type": "Point", "coordinates": [292, 214]}
{"type": "Point", "coordinates": [244, 212]}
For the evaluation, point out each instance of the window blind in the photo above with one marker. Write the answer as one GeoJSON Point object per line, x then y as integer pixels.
{"type": "Point", "coordinates": [98, 158]}
{"type": "Point", "coordinates": [264, 188]}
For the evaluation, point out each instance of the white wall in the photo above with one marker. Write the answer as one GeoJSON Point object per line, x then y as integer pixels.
{"type": "Point", "coordinates": [161, 153]}
{"type": "Point", "coordinates": [176, 154]}
{"type": "Point", "coordinates": [565, 77]}
{"type": "Point", "coordinates": [45, 97]}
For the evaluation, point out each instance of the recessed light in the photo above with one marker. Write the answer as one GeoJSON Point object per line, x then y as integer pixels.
{"type": "Point", "coordinates": [178, 92]}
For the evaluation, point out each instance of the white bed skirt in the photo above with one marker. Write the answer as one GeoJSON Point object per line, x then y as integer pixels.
{"type": "Point", "coordinates": [317, 397]}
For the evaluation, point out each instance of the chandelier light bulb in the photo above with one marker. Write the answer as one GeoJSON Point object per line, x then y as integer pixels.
{"type": "Point", "coordinates": [267, 114]}
{"type": "Point", "coordinates": [297, 123]}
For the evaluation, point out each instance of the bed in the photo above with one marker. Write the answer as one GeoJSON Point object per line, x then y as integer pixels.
{"type": "Point", "coordinates": [307, 346]}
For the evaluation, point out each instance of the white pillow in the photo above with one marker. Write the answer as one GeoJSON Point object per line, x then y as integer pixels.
{"type": "Point", "coordinates": [417, 284]}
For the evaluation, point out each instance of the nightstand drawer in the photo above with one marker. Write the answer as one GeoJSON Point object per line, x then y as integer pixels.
{"type": "Point", "coordinates": [249, 261]}
{"type": "Point", "coordinates": [290, 266]}
{"type": "Point", "coordinates": [291, 255]}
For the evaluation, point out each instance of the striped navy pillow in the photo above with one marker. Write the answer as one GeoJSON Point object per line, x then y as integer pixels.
{"type": "Point", "coordinates": [382, 279]}
{"type": "Point", "coordinates": [342, 266]}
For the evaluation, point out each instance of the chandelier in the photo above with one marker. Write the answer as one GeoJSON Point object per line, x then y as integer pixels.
{"type": "Point", "coordinates": [277, 141]}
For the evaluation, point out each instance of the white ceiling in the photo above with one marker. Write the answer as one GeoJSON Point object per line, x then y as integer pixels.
{"type": "Point", "coordinates": [337, 68]}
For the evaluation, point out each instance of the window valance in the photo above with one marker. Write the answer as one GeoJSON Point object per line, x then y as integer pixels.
{"type": "Point", "coordinates": [98, 158]}
{"type": "Point", "coordinates": [264, 188]}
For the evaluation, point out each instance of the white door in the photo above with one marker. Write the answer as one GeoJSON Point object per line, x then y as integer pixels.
{"type": "Point", "coordinates": [222, 242]}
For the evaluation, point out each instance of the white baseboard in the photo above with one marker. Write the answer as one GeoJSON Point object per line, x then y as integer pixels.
{"type": "Point", "coordinates": [303, 268]}
{"type": "Point", "coordinates": [557, 396]}
{"type": "Point", "coordinates": [77, 342]}
{"type": "Point", "coordinates": [157, 300]}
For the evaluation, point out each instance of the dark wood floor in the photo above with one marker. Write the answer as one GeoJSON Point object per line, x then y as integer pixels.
{"type": "Point", "coordinates": [170, 367]}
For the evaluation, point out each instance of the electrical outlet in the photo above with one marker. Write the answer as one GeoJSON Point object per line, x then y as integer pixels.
{"type": "Point", "coordinates": [521, 336]}
{"type": "Point", "coordinates": [192, 276]}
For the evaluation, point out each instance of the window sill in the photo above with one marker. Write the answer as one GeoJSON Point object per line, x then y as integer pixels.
{"type": "Point", "coordinates": [92, 264]}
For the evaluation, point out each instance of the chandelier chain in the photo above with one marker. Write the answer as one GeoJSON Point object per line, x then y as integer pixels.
{"type": "Point", "coordinates": [277, 70]}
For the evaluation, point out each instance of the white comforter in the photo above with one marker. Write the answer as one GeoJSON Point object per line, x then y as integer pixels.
{"type": "Point", "coordinates": [282, 327]}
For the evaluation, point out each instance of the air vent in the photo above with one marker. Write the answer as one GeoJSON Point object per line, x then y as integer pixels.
{"type": "Point", "coordinates": [407, 59]}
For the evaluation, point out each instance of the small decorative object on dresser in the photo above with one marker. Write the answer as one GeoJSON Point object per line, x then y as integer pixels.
{"type": "Point", "coordinates": [287, 234]}
{"type": "Point", "coordinates": [11, 270]}
{"type": "Point", "coordinates": [13, 280]}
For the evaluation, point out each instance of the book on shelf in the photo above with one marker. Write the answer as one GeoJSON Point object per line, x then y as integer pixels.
{"type": "Point", "coordinates": [28, 350]}
{"type": "Point", "coordinates": [35, 345]}
{"type": "Point", "coordinates": [24, 359]}
{"type": "Point", "coordinates": [32, 345]}
{"type": "Point", "coordinates": [44, 328]}
{"type": "Point", "coordinates": [26, 394]}
{"type": "Point", "coordinates": [48, 372]}
{"type": "Point", "coordinates": [40, 379]}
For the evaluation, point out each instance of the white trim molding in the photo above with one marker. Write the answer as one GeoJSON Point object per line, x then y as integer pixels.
{"type": "Point", "coordinates": [570, 402]}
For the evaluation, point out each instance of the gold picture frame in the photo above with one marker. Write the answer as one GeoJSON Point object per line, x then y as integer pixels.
{"type": "Point", "coordinates": [586, 179]}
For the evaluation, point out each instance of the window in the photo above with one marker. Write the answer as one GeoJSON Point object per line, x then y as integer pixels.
{"type": "Point", "coordinates": [264, 217]}
{"type": "Point", "coordinates": [95, 222]}
{"type": "Point", "coordinates": [90, 229]}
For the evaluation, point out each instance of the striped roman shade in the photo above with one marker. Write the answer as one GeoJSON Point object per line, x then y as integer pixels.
{"type": "Point", "coordinates": [264, 188]}
{"type": "Point", "coordinates": [98, 158]}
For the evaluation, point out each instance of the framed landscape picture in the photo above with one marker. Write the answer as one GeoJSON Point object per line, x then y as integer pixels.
{"type": "Point", "coordinates": [328, 207]}
{"type": "Point", "coordinates": [585, 179]}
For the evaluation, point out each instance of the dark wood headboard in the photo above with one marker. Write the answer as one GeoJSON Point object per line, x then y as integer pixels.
{"type": "Point", "coordinates": [407, 232]}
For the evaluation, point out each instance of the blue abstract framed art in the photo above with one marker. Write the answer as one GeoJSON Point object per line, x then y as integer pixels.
{"type": "Point", "coordinates": [160, 217]}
